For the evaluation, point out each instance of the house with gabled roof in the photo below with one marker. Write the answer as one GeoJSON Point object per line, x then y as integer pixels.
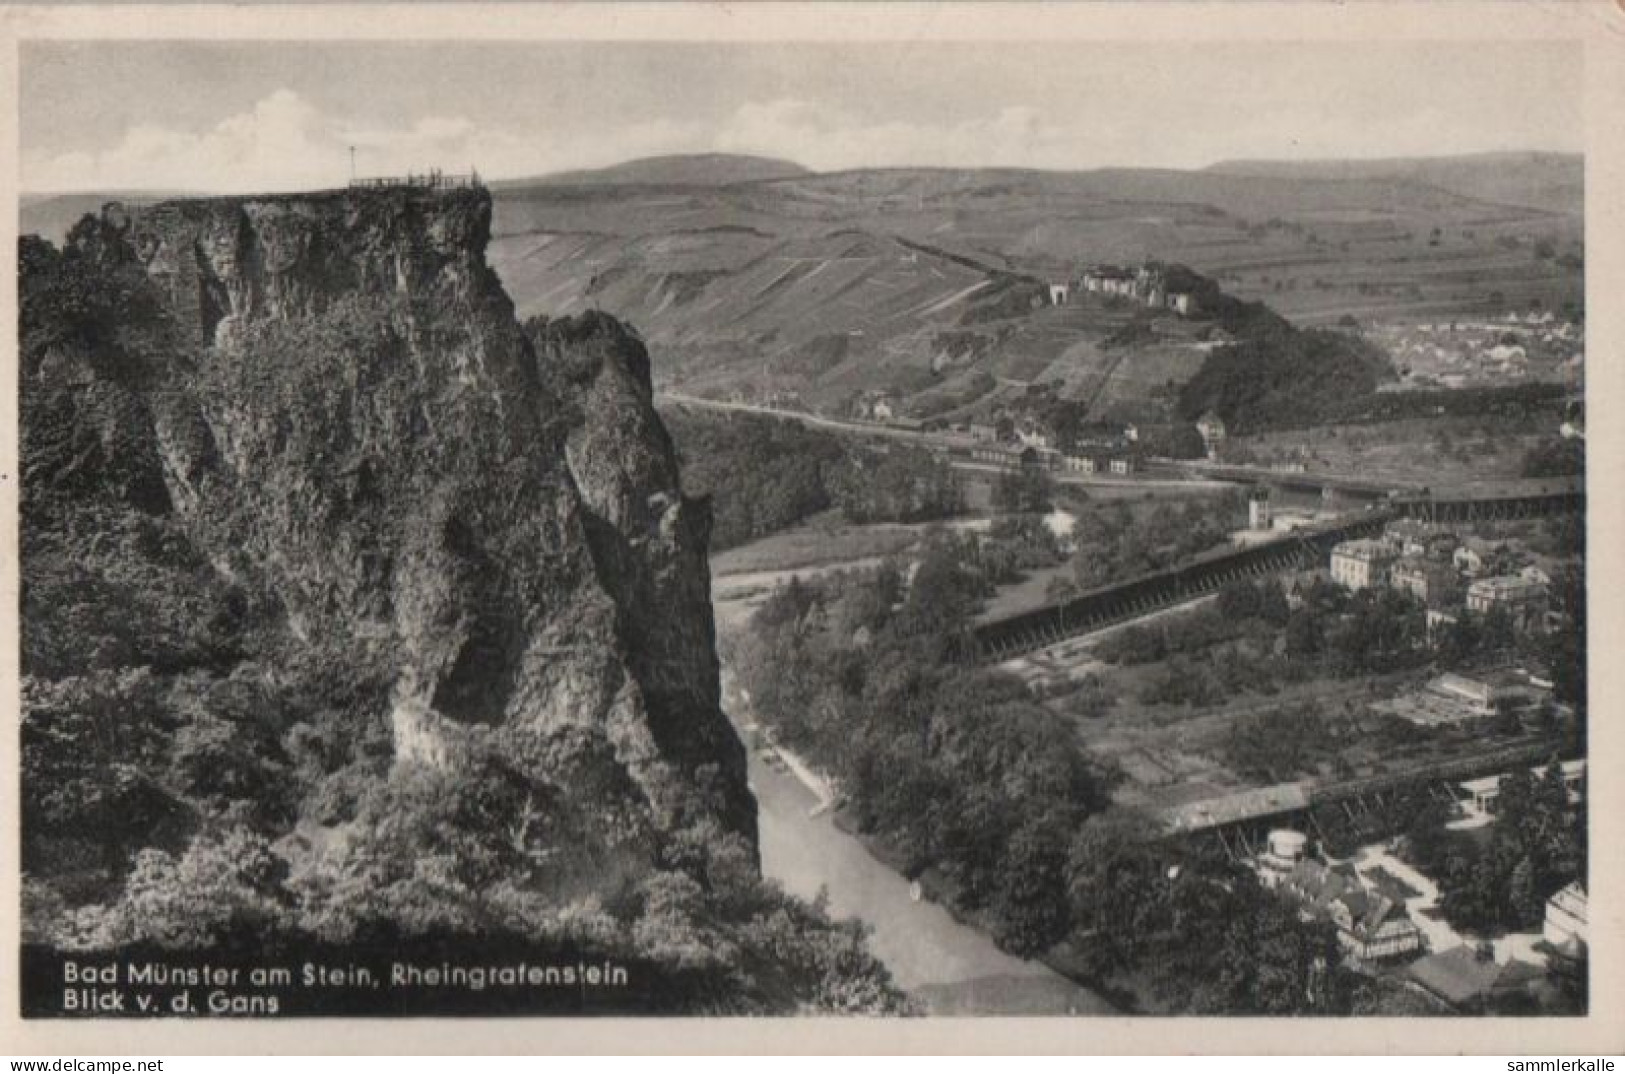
{"type": "Point", "coordinates": [1370, 925]}
{"type": "Point", "coordinates": [1468, 980]}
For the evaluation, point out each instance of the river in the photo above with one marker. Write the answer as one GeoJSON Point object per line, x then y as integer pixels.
{"type": "Point", "coordinates": [952, 968]}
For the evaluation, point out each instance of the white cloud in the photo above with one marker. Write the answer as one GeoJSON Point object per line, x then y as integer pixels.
{"type": "Point", "coordinates": [284, 142]}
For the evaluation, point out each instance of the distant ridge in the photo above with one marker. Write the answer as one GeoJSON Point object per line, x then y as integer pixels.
{"type": "Point", "coordinates": [680, 170]}
{"type": "Point", "coordinates": [1552, 182]}
{"type": "Point", "coordinates": [1356, 168]}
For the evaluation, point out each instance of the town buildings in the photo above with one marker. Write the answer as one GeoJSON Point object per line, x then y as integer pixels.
{"type": "Point", "coordinates": [1362, 564]}
{"type": "Point", "coordinates": [1485, 693]}
{"type": "Point", "coordinates": [1524, 600]}
{"type": "Point", "coordinates": [1481, 794]}
{"type": "Point", "coordinates": [1371, 926]}
{"type": "Point", "coordinates": [1259, 516]}
{"type": "Point", "coordinates": [1211, 428]}
{"type": "Point", "coordinates": [1147, 284]}
{"type": "Point", "coordinates": [1446, 575]}
{"type": "Point", "coordinates": [1121, 463]}
{"type": "Point", "coordinates": [1433, 583]}
{"type": "Point", "coordinates": [1469, 558]}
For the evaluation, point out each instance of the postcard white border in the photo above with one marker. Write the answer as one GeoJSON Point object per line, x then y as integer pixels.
{"type": "Point", "coordinates": [1598, 24]}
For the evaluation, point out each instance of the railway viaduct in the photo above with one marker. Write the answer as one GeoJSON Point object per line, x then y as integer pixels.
{"type": "Point", "coordinates": [1025, 632]}
{"type": "Point", "coordinates": [1240, 822]}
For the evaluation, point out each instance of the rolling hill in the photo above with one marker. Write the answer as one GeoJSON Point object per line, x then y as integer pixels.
{"type": "Point", "coordinates": [1549, 182]}
{"type": "Point", "coordinates": [696, 169]}
{"type": "Point", "coordinates": [928, 282]}
{"type": "Point", "coordinates": [756, 275]}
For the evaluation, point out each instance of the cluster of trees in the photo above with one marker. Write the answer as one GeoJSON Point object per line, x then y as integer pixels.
{"type": "Point", "coordinates": [1276, 376]}
{"type": "Point", "coordinates": [1281, 745]}
{"type": "Point", "coordinates": [1210, 655]}
{"type": "Point", "coordinates": [197, 775]}
{"type": "Point", "coordinates": [1371, 631]}
{"type": "Point", "coordinates": [1180, 930]}
{"type": "Point", "coordinates": [1117, 540]}
{"type": "Point", "coordinates": [1507, 401]}
{"type": "Point", "coordinates": [1409, 813]}
{"type": "Point", "coordinates": [1023, 490]}
{"type": "Point", "coordinates": [1016, 544]}
{"type": "Point", "coordinates": [1241, 609]}
{"type": "Point", "coordinates": [1536, 846]}
{"type": "Point", "coordinates": [1564, 651]}
{"type": "Point", "coordinates": [899, 485]}
{"type": "Point", "coordinates": [764, 475]}
{"type": "Point", "coordinates": [1178, 440]}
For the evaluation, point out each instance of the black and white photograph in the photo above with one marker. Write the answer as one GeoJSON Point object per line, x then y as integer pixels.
{"type": "Point", "coordinates": [906, 528]}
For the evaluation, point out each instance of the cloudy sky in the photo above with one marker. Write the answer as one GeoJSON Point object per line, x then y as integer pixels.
{"type": "Point", "coordinates": [102, 116]}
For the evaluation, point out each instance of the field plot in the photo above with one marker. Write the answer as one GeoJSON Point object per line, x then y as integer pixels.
{"type": "Point", "coordinates": [1435, 451]}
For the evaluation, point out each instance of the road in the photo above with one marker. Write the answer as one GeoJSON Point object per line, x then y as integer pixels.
{"type": "Point", "coordinates": [937, 440]}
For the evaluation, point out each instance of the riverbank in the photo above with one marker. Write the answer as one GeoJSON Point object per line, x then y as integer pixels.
{"type": "Point", "coordinates": [949, 963]}
{"type": "Point", "coordinates": [950, 966]}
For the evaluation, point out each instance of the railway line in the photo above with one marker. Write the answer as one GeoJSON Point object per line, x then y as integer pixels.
{"type": "Point", "coordinates": [1025, 632]}
{"type": "Point", "coordinates": [1383, 501]}
{"type": "Point", "coordinates": [1240, 822]}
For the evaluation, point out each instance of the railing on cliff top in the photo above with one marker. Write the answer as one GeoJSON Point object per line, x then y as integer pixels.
{"type": "Point", "coordinates": [433, 180]}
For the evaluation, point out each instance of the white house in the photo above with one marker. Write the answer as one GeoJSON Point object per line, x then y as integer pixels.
{"type": "Point", "coordinates": [1566, 916]}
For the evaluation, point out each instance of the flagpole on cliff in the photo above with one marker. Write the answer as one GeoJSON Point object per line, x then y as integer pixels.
{"type": "Point", "coordinates": [352, 165]}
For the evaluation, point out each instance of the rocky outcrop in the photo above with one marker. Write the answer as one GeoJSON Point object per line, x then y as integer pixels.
{"type": "Point", "coordinates": [487, 515]}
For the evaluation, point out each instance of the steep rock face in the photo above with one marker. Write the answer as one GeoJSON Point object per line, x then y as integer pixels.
{"type": "Point", "coordinates": [363, 435]}
{"type": "Point", "coordinates": [648, 540]}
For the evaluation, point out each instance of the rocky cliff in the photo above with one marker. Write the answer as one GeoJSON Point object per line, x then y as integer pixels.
{"type": "Point", "coordinates": [356, 430]}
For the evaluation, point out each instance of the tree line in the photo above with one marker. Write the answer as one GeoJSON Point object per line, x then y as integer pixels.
{"type": "Point", "coordinates": [764, 475]}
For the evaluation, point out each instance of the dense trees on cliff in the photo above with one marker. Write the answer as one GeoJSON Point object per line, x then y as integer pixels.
{"type": "Point", "coordinates": [762, 475]}
{"type": "Point", "coordinates": [200, 771]}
